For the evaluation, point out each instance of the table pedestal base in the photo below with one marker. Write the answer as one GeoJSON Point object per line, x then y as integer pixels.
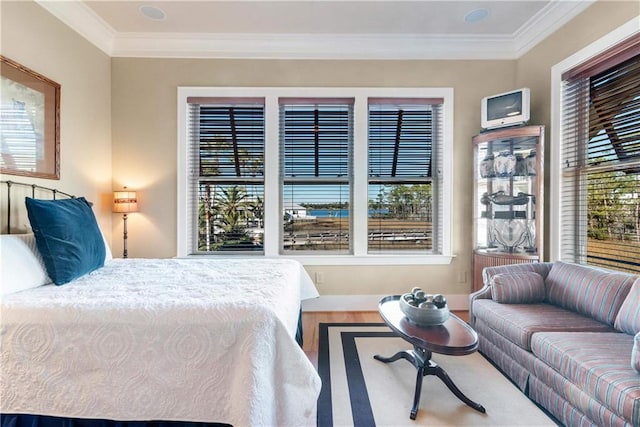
{"type": "Point", "coordinates": [421, 359]}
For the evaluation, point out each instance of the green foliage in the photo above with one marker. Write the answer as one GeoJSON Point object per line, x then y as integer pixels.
{"type": "Point", "coordinates": [404, 201]}
{"type": "Point", "coordinates": [613, 205]}
{"type": "Point", "coordinates": [231, 203]}
{"type": "Point", "coordinates": [326, 205]}
{"type": "Point", "coordinates": [225, 217]}
{"type": "Point", "coordinates": [597, 234]}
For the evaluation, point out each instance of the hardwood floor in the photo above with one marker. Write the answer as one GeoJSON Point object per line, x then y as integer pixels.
{"type": "Point", "coordinates": [311, 320]}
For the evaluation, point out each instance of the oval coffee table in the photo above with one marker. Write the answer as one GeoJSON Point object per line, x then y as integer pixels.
{"type": "Point", "coordinates": [454, 338]}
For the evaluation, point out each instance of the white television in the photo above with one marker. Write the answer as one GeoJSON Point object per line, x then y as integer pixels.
{"type": "Point", "coordinates": [505, 109]}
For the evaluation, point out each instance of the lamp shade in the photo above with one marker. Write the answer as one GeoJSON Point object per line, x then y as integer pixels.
{"type": "Point", "coordinates": [125, 201]}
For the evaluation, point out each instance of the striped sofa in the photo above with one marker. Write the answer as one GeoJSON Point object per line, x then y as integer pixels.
{"type": "Point", "coordinates": [568, 336]}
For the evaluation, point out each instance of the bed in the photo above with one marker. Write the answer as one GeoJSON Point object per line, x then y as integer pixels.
{"type": "Point", "coordinates": [148, 340]}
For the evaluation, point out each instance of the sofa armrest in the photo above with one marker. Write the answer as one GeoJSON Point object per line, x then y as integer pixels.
{"type": "Point", "coordinates": [482, 293]}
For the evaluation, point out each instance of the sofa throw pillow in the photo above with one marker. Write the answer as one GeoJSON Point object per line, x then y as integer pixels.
{"type": "Point", "coordinates": [594, 292]}
{"type": "Point", "coordinates": [67, 236]}
{"type": "Point", "coordinates": [628, 318]}
{"type": "Point", "coordinates": [635, 353]}
{"type": "Point", "coordinates": [517, 288]}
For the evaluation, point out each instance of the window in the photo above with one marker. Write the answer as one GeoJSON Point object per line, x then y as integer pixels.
{"type": "Point", "coordinates": [315, 146]}
{"type": "Point", "coordinates": [403, 143]}
{"type": "Point", "coordinates": [331, 176]}
{"type": "Point", "coordinates": [600, 168]}
{"type": "Point", "coordinates": [227, 180]}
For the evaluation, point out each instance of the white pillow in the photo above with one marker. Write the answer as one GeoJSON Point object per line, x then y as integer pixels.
{"type": "Point", "coordinates": [21, 266]}
{"type": "Point", "coordinates": [108, 256]}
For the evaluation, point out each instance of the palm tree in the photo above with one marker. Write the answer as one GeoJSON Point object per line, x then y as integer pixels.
{"type": "Point", "coordinates": [256, 207]}
{"type": "Point", "coordinates": [210, 150]}
{"type": "Point", "coordinates": [231, 201]}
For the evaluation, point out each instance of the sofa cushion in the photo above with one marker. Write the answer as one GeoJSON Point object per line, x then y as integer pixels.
{"type": "Point", "coordinates": [518, 323]}
{"type": "Point", "coordinates": [628, 318]}
{"type": "Point", "coordinates": [517, 288]}
{"type": "Point", "coordinates": [600, 368]}
{"type": "Point", "coordinates": [635, 353]}
{"type": "Point", "coordinates": [591, 291]}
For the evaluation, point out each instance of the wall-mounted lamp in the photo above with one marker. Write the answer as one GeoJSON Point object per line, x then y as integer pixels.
{"type": "Point", "coordinates": [125, 202]}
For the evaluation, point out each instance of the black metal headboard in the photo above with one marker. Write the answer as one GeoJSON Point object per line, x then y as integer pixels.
{"type": "Point", "coordinates": [37, 191]}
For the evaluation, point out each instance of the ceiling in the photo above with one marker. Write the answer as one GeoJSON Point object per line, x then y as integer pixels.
{"type": "Point", "coordinates": [317, 29]}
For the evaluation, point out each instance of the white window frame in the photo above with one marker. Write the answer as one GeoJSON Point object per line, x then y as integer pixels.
{"type": "Point", "coordinates": [360, 180]}
{"type": "Point", "coordinates": [601, 45]}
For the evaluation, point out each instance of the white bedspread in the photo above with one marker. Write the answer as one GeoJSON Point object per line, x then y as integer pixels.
{"type": "Point", "coordinates": [178, 339]}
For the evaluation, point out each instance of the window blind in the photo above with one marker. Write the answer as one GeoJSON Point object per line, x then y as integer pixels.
{"type": "Point", "coordinates": [20, 149]}
{"type": "Point", "coordinates": [403, 193]}
{"type": "Point", "coordinates": [316, 140]}
{"type": "Point", "coordinates": [601, 164]}
{"type": "Point", "coordinates": [226, 164]}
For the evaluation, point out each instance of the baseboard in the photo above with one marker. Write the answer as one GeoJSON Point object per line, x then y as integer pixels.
{"type": "Point", "coordinates": [367, 303]}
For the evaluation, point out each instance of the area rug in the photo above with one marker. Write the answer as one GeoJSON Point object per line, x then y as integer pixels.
{"type": "Point", "coordinates": [358, 390]}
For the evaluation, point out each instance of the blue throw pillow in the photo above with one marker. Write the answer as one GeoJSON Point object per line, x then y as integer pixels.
{"type": "Point", "coordinates": [67, 236]}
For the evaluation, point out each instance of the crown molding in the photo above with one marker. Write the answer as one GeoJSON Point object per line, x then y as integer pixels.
{"type": "Point", "coordinates": [311, 46]}
{"type": "Point", "coordinates": [82, 20]}
{"type": "Point", "coordinates": [551, 18]}
{"type": "Point", "coordinates": [89, 25]}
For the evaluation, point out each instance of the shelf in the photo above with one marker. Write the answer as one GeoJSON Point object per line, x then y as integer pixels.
{"type": "Point", "coordinates": [515, 178]}
{"type": "Point", "coordinates": [505, 215]}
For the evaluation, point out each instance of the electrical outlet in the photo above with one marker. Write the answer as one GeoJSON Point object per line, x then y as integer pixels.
{"type": "Point", "coordinates": [319, 277]}
{"type": "Point", "coordinates": [462, 277]}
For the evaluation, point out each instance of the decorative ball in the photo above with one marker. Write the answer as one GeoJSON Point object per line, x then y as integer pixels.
{"type": "Point", "coordinates": [419, 295]}
{"type": "Point", "coordinates": [428, 306]}
{"type": "Point", "coordinates": [439, 300]}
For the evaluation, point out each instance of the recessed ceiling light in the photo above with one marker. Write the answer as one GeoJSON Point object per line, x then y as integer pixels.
{"type": "Point", "coordinates": [153, 12]}
{"type": "Point", "coordinates": [476, 15]}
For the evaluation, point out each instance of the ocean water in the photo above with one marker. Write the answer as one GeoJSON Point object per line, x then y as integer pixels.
{"type": "Point", "coordinates": [324, 213]}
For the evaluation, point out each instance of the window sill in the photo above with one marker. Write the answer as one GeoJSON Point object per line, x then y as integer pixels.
{"type": "Point", "coordinates": [378, 259]}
